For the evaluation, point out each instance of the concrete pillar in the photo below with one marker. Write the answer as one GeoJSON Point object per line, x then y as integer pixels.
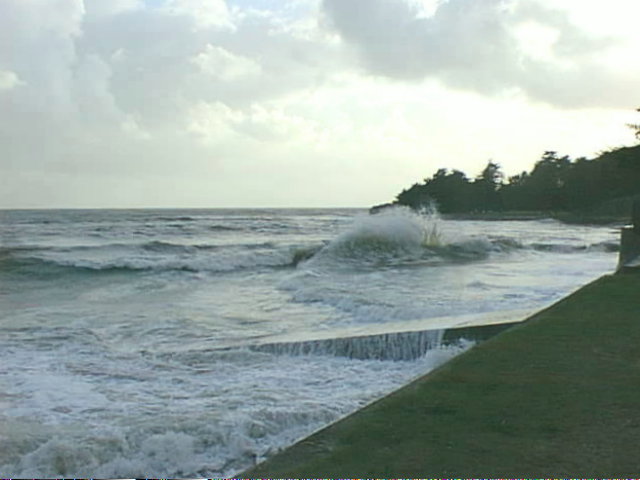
{"type": "Point", "coordinates": [635, 215]}
{"type": "Point", "coordinates": [629, 248]}
{"type": "Point", "coordinates": [630, 241]}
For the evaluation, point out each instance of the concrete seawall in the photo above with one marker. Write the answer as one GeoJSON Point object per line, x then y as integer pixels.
{"type": "Point", "coordinates": [397, 346]}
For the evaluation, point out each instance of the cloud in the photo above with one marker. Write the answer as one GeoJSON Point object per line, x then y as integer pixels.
{"type": "Point", "coordinates": [221, 64]}
{"type": "Point", "coordinates": [478, 45]}
{"type": "Point", "coordinates": [112, 7]}
{"type": "Point", "coordinates": [89, 69]}
{"type": "Point", "coordinates": [396, 41]}
{"type": "Point", "coordinates": [114, 100]}
{"type": "Point", "coordinates": [9, 80]}
{"type": "Point", "coordinates": [209, 14]}
{"type": "Point", "coordinates": [98, 90]}
{"type": "Point", "coordinates": [216, 123]}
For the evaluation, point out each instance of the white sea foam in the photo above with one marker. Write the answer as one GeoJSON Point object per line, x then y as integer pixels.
{"type": "Point", "coordinates": [161, 257]}
{"type": "Point", "coordinates": [400, 236]}
{"type": "Point", "coordinates": [202, 422]}
{"type": "Point", "coordinates": [126, 336]}
{"type": "Point", "coordinates": [395, 231]}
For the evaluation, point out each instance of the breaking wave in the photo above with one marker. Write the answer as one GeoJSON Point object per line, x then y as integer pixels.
{"type": "Point", "coordinates": [154, 255]}
{"type": "Point", "coordinates": [400, 236]}
{"type": "Point", "coordinates": [569, 248]}
{"type": "Point", "coordinates": [395, 237]}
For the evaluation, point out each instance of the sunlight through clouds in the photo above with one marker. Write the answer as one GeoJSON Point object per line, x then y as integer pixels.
{"type": "Point", "coordinates": [9, 80]}
{"type": "Point", "coordinates": [375, 92]}
{"type": "Point", "coordinates": [220, 63]}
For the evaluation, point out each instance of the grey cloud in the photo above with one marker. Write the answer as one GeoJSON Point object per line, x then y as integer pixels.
{"type": "Point", "coordinates": [470, 44]}
{"type": "Point", "coordinates": [85, 70]}
{"type": "Point", "coordinates": [154, 76]}
{"type": "Point", "coordinates": [92, 91]}
{"type": "Point", "coordinates": [395, 41]}
{"type": "Point", "coordinates": [39, 48]}
{"type": "Point", "coordinates": [571, 41]}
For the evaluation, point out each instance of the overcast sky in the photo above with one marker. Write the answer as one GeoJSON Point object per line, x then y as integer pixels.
{"type": "Point", "coordinates": [300, 103]}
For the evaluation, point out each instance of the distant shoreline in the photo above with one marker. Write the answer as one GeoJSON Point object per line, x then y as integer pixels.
{"type": "Point", "coordinates": [497, 216]}
{"type": "Point", "coordinates": [572, 218]}
{"type": "Point", "coordinates": [564, 217]}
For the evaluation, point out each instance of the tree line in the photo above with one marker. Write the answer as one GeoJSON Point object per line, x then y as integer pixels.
{"type": "Point", "coordinates": [555, 184]}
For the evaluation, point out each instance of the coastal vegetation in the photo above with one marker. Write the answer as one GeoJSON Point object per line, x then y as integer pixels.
{"type": "Point", "coordinates": [557, 185]}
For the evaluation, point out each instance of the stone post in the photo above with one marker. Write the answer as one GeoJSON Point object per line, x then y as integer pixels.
{"type": "Point", "coordinates": [630, 242]}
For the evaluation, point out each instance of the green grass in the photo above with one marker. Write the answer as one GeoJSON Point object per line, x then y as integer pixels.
{"type": "Point", "coordinates": [556, 396]}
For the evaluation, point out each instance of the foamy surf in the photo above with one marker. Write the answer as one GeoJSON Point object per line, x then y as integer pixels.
{"type": "Point", "coordinates": [400, 236]}
{"type": "Point", "coordinates": [136, 422]}
{"type": "Point", "coordinates": [134, 343]}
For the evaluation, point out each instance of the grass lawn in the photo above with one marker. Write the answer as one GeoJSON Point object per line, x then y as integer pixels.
{"type": "Point", "coordinates": [557, 396]}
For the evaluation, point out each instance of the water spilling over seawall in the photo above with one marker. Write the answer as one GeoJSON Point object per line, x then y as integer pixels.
{"type": "Point", "coordinates": [394, 346]}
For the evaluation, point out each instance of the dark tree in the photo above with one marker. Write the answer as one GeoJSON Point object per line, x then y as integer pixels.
{"type": "Point", "coordinates": [546, 182]}
{"type": "Point", "coordinates": [609, 182]}
{"type": "Point", "coordinates": [635, 127]}
{"type": "Point", "coordinates": [487, 185]}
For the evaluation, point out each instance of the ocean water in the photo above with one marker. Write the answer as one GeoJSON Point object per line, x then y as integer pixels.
{"type": "Point", "coordinates": [194, 343]}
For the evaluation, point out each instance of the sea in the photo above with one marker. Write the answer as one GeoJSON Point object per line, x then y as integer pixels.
{"type": "Point", "coordinates": [195, 343]}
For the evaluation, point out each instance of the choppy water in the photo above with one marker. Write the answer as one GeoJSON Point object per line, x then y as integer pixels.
{"type": "Point", "coordinates": [171, 343]}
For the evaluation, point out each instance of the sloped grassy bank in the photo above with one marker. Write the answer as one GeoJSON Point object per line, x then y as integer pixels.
{"type": "Point", "coordinates": [556, 396]}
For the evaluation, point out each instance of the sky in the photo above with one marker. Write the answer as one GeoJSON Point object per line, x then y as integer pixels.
{"type": "Point", "coordinates": [300, 103]}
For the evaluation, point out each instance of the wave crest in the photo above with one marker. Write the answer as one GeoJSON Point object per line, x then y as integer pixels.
{"type": "Point", "coordinates": [401, 236]}
{"type": "Point", "coordinates": [148, 256]}
{"type": "Point", "coordinates": [394, 234]}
